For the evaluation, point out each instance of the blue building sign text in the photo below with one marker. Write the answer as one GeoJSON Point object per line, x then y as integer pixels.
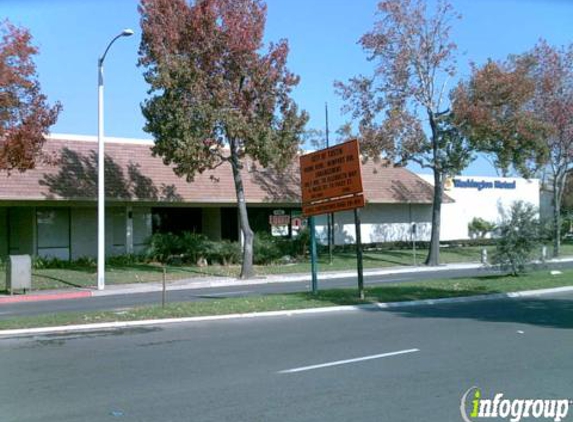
{"type": "Point", "coordinates": [483, 184]}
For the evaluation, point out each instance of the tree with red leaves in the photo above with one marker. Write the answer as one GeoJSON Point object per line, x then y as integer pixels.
{"type": "Point", "coordinates": [414, 60]}
{"type": "Point", "coordinates": [216, 98]}
{"type": "Point", "coordinates": [25, 116]}
{"type": "Point", "coordinates": [494, 109]}
{"type": "Point", "coordinates": [552, 71]}
{"type": "Point", "coordinates": [406, 97]}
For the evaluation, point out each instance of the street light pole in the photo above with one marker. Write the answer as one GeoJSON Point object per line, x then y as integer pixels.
{"type": "Point", "coordinates": [101, 169]}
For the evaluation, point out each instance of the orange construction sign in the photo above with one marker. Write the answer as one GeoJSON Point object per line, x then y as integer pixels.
{"type": "Point", "coordinates": [331, 172]}
{"type": "Point", "coordinates": [331, 178]}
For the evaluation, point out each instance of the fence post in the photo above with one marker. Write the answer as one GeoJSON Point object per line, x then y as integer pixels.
{"type": "Point", "coordinates": [484, 256]}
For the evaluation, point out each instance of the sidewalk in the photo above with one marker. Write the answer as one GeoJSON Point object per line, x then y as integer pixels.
{"type": "Point", "coordinates": [208, 282]}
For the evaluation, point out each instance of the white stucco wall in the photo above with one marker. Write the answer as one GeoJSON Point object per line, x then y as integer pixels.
{"type": "Point", "coordinates": [380, 223]}
{"type": "Point", "coordinates": [546, 206]}
{"type": "Point", "coordinates": [482, 197]}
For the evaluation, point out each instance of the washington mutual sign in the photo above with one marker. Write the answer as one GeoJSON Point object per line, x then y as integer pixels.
{"type": "Point", "coordinates": [483, 184]}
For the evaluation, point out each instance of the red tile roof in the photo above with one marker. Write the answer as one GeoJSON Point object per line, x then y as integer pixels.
{"type": "Point", "coordinates": [133, 174]}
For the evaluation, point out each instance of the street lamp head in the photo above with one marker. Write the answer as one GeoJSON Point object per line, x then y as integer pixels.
{"type": "Point", "coordinates": [127, 32]}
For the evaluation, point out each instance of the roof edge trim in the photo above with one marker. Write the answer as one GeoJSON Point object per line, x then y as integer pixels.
{"type": "Point", "coordinates": [91, 138]}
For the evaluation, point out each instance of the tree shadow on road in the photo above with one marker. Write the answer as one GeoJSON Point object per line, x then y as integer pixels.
{"type": "Point", "coordinates": [540, 311]}
{"type": "Point", "coordinates": [545, 312]}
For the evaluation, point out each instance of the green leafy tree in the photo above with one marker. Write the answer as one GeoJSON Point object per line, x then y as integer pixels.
{"type": "Point", "coordinates": [519, 238]}
{"type": "Point", "coordinates": [215, 96]}
{"type": "Point", "coordinates": [480, 227]}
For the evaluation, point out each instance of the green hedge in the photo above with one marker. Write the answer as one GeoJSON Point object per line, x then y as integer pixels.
{"type": "Point", "coordinates": [192, 248]}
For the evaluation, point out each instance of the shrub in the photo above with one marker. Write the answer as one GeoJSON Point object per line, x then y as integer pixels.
{"type": "Point", "coordinates": [40, 263]}
{"type": "Point", "coordinates": [224, 252]}
{"type": "Point", "coordinates": [194, 247]}
{"type": "Point", "coordinates": [85, 262]}
{"type": "Point", "coordinates": [265, 249]}
{"type": "Point", "coordinates": [124, 260]}
{"type": "Point", "coordinates": [519, 234]}
{"type": "Point", "coordinates": [162, 247]}
{"type": "Point", "coordinates": [296, 246]}
{"type": "Point", "coordinates": [480, 228]}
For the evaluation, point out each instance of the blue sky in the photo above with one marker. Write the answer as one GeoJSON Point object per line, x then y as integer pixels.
{"type": "Point", "coordinates": [322, 34]}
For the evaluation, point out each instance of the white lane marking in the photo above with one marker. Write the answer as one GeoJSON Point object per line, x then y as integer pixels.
{"type": "Point", "coordinates": [346, 361]}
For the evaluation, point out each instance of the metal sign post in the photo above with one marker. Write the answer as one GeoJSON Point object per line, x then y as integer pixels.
{"type": "Point", "coordinates": [313, 255]}
{"type": "Point", "coordinates": [359, 257]}
{"type": "Point", "coordinates": [414, 228]}
{"type": "Point", "coordinates": [331, 181]}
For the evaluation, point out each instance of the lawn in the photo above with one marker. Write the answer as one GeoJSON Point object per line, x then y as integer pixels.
{"type": "Point", "coordinates": [398, 292]}
{"type": "Point", "coordinates": [77, 277]}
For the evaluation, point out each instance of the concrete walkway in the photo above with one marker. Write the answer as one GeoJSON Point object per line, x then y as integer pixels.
{"type": "Point", "coordinates": [211, 281]}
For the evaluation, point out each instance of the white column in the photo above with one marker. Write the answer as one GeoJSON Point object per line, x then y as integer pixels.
{"type": "Point", "coordinates": [129, 230]}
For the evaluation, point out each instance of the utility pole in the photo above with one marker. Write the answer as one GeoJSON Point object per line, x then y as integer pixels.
{"type": "Point", "coordinates": [329, 217]}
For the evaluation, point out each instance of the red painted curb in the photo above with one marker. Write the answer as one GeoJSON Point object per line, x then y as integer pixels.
{"type": "Point", "coordinates": [38, 298]}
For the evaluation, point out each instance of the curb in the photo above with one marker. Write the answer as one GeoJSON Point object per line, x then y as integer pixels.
{"type": "Point", "coordinates": [328, 309]}
{"type": "Point", "coordinates": [278, 278]}
{"type": "Point", "coordinates": [116, 290]}
{"type": "Point", "coordinates": [45, 297]}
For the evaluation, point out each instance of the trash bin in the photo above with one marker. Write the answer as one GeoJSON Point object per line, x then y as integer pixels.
{"type": "Point", "coordinates": [19, 273]}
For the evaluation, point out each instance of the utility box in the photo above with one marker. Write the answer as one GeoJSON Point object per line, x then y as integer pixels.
{"type": "Point", "coordinates": [19, 273]}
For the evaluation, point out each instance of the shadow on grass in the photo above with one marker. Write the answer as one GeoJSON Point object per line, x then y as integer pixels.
{"type": "Point", "coordinates": [171, 269]}
{"type": "Point", "coordinates": [59, 280]}
{"type": "Point", "coordinates": [198, 270]}
{"type": "Point", "coordinates": [390, 293]}
{"type": "Point", "coordinates": [77, 268]}
{"type": "Point", "coordinates": [386, 258]}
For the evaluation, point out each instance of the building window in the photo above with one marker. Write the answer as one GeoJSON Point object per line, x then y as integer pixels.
{"type": "Point", "coordinates": [53, 232]}
{"type": "Point", "coordinates": [118, 229]}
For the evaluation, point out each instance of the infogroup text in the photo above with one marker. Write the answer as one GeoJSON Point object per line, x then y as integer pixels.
{"type": "Point", "coordinates": [474, 407]}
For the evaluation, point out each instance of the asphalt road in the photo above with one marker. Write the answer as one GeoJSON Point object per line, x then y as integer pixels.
{"type": "Point", "coordinates": [242, 370]}
{"type": "Point", "coordinates": [119, 302]}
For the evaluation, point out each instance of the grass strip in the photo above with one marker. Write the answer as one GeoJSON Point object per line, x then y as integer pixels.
{"type": "Point", "coordinates": [77, 276]}
{"type": "Point", "coordinates": [396, 292]}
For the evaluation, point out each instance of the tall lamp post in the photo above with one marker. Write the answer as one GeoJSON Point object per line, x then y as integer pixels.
{"type": "Point", "coordinates": [101, 169]}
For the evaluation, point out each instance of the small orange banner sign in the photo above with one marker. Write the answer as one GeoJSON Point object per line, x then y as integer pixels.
{"type": "Point", "coordinates": [334, 205]}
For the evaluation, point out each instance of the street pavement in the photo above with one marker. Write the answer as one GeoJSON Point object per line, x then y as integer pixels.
{"type": "Point", "coordinates": [407, 364]}
{"type": "Point", "coordinates": [119, 297]}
